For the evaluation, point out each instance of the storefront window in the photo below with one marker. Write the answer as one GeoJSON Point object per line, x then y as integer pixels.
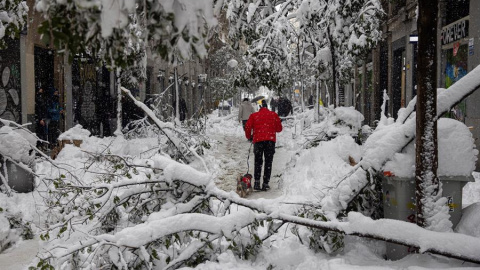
{"type": "Point", "coordinates": [456, 68]}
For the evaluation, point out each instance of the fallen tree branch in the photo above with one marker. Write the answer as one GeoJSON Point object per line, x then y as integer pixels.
{"type": "Point", "coordinates": [155, 120]}
{"type": "Point", "coordinates": [453, 245]}
{"type": "Point", "coordinates": [335, 201]}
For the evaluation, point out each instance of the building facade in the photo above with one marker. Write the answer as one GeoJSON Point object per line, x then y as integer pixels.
{"type": "Point", "coordinates": [392, 65]}
{"type": "Point", "coordinates": [88, 91]}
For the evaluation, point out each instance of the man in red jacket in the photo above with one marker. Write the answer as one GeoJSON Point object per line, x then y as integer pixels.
{"type": "Point", "coordinates": [263, 126]}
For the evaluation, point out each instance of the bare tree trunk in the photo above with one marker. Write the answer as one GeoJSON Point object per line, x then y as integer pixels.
{"type": "Point", "coordinates": [427, 183]}
{"type": "Point", "coordinates": [300, 65]}
{"type": "Point", "coordinates": [177, 98]}
{"type": "Point", "coordinates": [327, 95]}
{"type": "Point", "coordinates": [334, 73]}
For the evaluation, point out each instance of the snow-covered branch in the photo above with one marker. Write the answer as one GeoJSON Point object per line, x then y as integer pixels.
{"type": "Point", "coordinates": [116, 31]}
{"type": "Point", "coordinates": [378, 147]}
{"type": "Point", "coordinates": [13, 17]}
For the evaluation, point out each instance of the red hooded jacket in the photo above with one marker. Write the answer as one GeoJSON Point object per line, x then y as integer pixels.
{"type": "Point", "coordinates": [265, 124]}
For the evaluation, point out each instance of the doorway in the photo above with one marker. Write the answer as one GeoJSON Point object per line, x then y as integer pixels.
{"type": "Point", "coordinates": [398, 80]}
{"type": "Point", "coordinates": [44, 67]}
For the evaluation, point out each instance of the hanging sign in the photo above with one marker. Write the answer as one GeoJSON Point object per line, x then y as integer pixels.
{"type": "Point", "coordinates": [455, 48]}
{"type": "Point", "coordinates": [454, 31]}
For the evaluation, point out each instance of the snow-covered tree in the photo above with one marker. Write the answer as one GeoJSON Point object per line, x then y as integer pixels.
{"type": "Point", "coordinates": [275, 29]}
{"type": "Point", "coordinates": [228, 65]}
{"type": "Point", "coordinates": [13, 15]}
{"type": "Point", "coordinates": [109, 29]}
{"type": "Point", "coordinates": [350, 28]}
{"type": "Point", "coordinates": [431, 208]}
{"type": "Point", "coordinates": [264, 30]}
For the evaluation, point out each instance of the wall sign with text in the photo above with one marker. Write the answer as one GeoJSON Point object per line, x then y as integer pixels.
{"type": "Point", "coordinates": [455, 31]}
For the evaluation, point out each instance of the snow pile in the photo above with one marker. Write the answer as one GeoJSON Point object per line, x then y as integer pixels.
{"type": "Point", "coordinates": [341, 120]}
{"type": "Point", "coordinates": [7, 236]}
{"type": "Point", "coordinates": [312, 173]}
{"type": "Point", "coordinates": [350, 116]}
{"type": "Point", "coordinates": [16, 145]}
{"type": "Point", "coordinates": [456, 152]}
{"type": "Point", "coordinates": [456, 148]}
{"type": "Point", "coordinates": [470, 219]}
{"type": "Point", "coordinates": [218, 125]}
{"type": "Point", "coordinates": [471, 190]}
{"type": "Point", "coordinates": [318, 169]}
{"type": "Point", "coordinates": [75, 133]}
{"type": "Point", "coordinates": [13, 226]}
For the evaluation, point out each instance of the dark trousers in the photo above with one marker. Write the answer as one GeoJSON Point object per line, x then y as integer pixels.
{"type": "Point", "coordinates": [244, 122]}
{"type": "Point", "coordinates": [53, 132]}
{"type": "Point", "coordinates": [263, 149]}
{"type": "Point", "coordinates": [41, 132]}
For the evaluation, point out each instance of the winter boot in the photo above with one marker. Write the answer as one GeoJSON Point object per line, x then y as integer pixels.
{"type": "Point", "coordinates": [256, 185]}
{"type": "Point", "coordinates": [265, 186]}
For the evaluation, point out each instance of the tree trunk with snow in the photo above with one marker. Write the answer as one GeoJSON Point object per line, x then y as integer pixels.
{"type": "Point", "coordinates": [427, 183]}
{"type": "Point", "coordinates": [317, 105]}
{"type": "Point", "coordinates": [118, 130]}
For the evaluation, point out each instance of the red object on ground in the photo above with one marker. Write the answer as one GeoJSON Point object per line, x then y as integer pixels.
{"type": "Point", "coordinates": [388, 173]}
{"type": "Point", "coordinates": [247, 179]}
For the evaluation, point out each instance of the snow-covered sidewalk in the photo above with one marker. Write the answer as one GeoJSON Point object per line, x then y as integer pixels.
{"type": "Point", "coordinates": [19, 256]}
{"type": "Point", "coordinates": [231, 153]}
{"type": "Point", "coordinates": [298, 175]}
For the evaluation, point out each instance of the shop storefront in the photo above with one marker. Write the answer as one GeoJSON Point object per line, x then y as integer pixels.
{"type": "Point", "coordinates": [455, 51]}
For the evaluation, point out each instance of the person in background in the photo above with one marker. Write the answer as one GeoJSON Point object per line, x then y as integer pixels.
{"type": "Point", "coordinates": [41, 114]}
{"type": "Point", "coordinates": [310, 102]}
{"type": "Point", "coordinates": [183, 109]}
{"type": "Point", "coordinates": [261, 128]}
{"type": "Point", "coordinates": [244, 111]}
{"type": "Point", "coordinates": [284, 107]}
{"type": "Point", "coordinates": [54, 113]}
{"type": "Point", "coordinates": [273, 104]}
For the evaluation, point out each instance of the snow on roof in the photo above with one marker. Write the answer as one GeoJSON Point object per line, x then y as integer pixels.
{"type": "Point", "coordinates": [456, 152]}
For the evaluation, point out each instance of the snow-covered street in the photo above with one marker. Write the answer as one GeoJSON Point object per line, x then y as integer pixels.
{"type": "Point", "coordinates": [300, 176]}
{"type": "Point", "coordinates": [231, 152]}
{"type": "Point", "coordinates": [129, 133]}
